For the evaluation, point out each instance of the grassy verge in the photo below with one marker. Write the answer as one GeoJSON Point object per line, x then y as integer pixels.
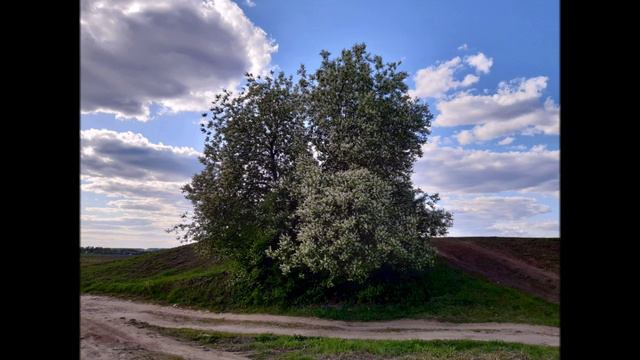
{"type": "Point", "coordinates": [177, 276]}
{"type": "Point", "coordinates": [267, 346]}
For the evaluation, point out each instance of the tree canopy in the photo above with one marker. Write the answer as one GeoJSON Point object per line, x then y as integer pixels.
{"type": "Point", "coordinates": [313, 176]}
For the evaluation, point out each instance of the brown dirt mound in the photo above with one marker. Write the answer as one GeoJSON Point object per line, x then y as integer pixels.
{"type": "Point", "coordinates": [529, 264]}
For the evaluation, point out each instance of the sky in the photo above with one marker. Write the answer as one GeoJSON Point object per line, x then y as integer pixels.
{"type": "Point", "coordinates": [489, 71]}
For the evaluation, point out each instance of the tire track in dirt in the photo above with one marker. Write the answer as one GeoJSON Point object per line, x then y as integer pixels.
{"type": "Point", "coordinates": [104, 337]}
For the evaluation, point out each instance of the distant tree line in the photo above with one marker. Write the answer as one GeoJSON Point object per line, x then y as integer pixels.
{"type": "Point", "coordinates": [92, 250]}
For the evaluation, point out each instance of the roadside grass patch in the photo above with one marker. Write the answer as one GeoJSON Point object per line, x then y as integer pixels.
{"type": "Point", "coordinates": [269, 346]}
{"type": "Point", "coordinates": [178, 276]}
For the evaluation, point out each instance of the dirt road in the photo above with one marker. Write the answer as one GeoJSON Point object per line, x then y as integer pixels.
{"type": "Point", "coordinates": [106, 333]}
{"type": "Point", "coordinates": [106, 337]}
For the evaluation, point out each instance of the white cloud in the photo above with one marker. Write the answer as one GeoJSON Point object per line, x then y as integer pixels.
{"type": "Point", "coordinates": [126, 238]}
{"type": "Point", "coordinates": [136, 212]}
{"type": "Point", "coordinates": [119, 187]}
{"type": "Point", "coordinates": [464, 137]}
{"type": "Point", "coordinates": [175, 54]}
{"type": "Point", "coordinates": [107, 153]}
{"type": "Point", "coordinates": [142, 183]}
{"type": "Point", "coordinates": [249, 3]}
{"type": "Point", "coordinates": [480, 62]}
{"type": "Point", "coordinates": [514, 108]}
{"type": "Point", "coordinates": [497, 207]}
{"type": "Point", "coordinates": [506, 141]}
{"type": "Point", "coordinates": [539, 148]}
{"type": "Point", "coordinates": [490, 192]}
{"type": "Point", "coordinates": [136, 204]}
{"type": "Point", "coordinates": [463, 47]}
{"type": "Point", "coordinates": [456, 170]}
{"type": "Point", "coordinates": [445, 141]}
{"type": "Point", "coordinates": [548, 228]}
{"type": "Point", "coordinates": [435, 81]}
{"type": "Point", "coordinates": [497, 215]}
{"type": "Point", "coordinates": [469, 80]}
{"type": "Point", "coordinates": [136, 217]}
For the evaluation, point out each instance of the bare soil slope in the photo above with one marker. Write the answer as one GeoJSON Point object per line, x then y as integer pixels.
{"type": "Point", "coordinates": [529, 264]}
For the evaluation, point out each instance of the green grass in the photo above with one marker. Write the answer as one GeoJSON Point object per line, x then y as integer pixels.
{"type": "Point", "coordinates": [458, 297]}
{"type": "Point", "coordinates": [268, 346]}
{"type": "Point", "coordinates": [177, 276]}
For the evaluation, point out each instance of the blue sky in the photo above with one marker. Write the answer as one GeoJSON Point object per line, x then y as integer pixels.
{"type": "Point", "coordinates": [489, 71]}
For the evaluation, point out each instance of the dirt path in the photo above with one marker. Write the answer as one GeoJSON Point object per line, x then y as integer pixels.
{"type": "Point", "coordinates": [106, 337]}
{"type": "Point", "coordinates": [116, 312]}
{"type": "Point", "coordinates": [500, 266]}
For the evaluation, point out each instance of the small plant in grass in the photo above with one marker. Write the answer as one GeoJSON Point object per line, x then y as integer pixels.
{"type": "Point", "coordinates": [265, 338]}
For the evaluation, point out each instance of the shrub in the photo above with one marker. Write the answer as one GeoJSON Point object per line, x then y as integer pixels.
{"type": "Point", "coordinates": [349, 226]}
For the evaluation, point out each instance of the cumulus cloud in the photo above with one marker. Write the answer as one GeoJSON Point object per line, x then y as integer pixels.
{"type": "Point", "coordinates": [115, 187]}
{"type": "Point", "coordinates": [491, 215]}
{"type": "Point", "coordinates": [506, 141]}
{"type": "Point", "coordinates": [141, 181]}
{"type": "Point", "coordinates": [548, 228]}
{"type": "Point", "coordinates": [480, 62]}
{"type": "Point", "coordinates": [514, 109]}
{"type": "Point", "coordinates": [249, 3]}
{"type": "Point", "coordinates": [463, 47]}
{"type": "Point", "coordinates": [498, 207]}
{"type": "Point", "coordinates": [457, 170]}
{"type": "Point", "coordinates": [136, 204]}
{"type": "Point", "coordinates": [176, 54]}
{"type": "Point", "coordinates": [110, 154]}
{"type": "Point", "coordinates": [110, 223]}
{"type": "Point", "coordinates": [122, 237]}
{"type": "Point", "coordinates": [435, 81]}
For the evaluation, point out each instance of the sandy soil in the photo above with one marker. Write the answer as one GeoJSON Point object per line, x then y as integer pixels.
{"type": "Point", "coordinates": [507, 265]}
{"type": "Point", "coordinates": [107, 335]}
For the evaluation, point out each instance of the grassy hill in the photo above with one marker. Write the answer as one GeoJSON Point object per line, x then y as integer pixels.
{"type": "Point", "coordinates": [179, 276]}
